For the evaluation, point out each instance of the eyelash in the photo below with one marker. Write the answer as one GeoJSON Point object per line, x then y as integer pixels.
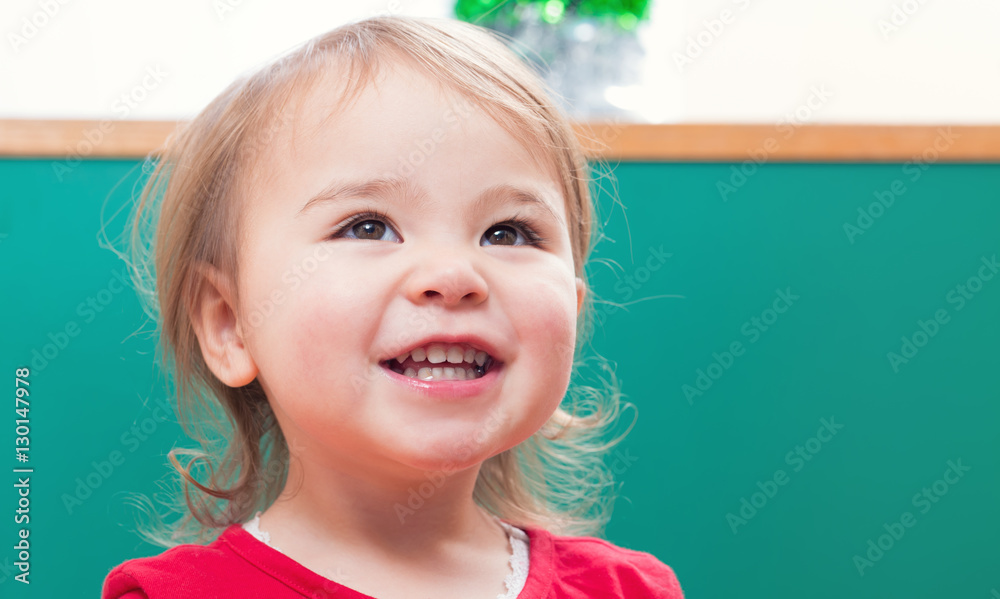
{"type": "Point", "coordinates": [531, 236]}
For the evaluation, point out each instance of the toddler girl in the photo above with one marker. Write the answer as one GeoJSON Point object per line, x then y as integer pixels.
{"type": "Point", "coordinates": [369, 275]}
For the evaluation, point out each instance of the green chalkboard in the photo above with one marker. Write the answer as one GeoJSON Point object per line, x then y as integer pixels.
{"type": "Point", "coordinates": [812, 352]}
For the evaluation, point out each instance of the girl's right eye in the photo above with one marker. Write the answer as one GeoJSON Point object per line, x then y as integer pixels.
{"type": "Point", "coordinates": [369, 226]}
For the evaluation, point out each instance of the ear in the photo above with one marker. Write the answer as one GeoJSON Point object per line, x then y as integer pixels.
{"type": "Point", "coordinates": [581, 293]}
{"type": "Point", "coordinates": [213, 318]}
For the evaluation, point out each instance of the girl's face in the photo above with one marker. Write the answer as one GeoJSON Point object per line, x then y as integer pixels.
{"type": "Point", "coordinates": [381, 230]}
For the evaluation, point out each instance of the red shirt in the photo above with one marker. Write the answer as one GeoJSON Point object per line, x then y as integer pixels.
{"type": "Point", "coordinates": [239, 565]}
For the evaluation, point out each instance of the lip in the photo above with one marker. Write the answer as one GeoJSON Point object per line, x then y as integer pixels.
{"type": "Point", "coordinates": [448, 390]}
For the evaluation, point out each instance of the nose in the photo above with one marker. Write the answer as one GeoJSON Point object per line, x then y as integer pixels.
{"type": "Point", "coordinates": [448, 277]}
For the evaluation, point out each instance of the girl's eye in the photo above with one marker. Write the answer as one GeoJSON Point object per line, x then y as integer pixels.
{"type": "Point", "coordinates": [507, 233]}
{"type": "Point", "coordinates": [371, 226]}
{"type": "Point", "coordinates": [367, 226]}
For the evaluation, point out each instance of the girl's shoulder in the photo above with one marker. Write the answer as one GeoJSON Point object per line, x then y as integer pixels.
{"type": "Point", "coordinates": [606, 569]}
{"type": "Point", "coordinates": [182, 571]}
{"type": "Point", "coordinates": [236, 564]}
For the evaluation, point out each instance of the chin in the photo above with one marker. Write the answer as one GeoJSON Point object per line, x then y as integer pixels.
{"type": "Point", "coordinates": [449, 456]}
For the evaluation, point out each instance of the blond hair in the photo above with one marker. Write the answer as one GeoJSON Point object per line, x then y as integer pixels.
{"type": "Point", "coordinates": [188, 212]}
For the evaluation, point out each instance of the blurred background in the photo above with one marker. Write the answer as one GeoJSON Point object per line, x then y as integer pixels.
{"type": "Point", "coordinates": [655, 61]}
{"type": "Point", "coordinates": [795, 280]}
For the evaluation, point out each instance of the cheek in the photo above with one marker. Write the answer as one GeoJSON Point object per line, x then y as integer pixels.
{"type": "Point", "coordinates": [333, 327]}
{"type": "Point", "coordinates": [317, 331]}
{"type": "Point", "coordinates": [546, 324]}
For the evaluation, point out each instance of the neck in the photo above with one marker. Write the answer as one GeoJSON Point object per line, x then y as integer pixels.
{"type": "Point", "coordinates": [416, 513]}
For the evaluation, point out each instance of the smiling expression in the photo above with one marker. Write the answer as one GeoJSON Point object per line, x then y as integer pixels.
{"type": "Point", "coordinates": [410, 220]}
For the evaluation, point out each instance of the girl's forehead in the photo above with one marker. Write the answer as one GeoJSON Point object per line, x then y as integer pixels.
{"type": "Point", "coordinates": [376, 123]}
{"type": "Point", "coordinates": [394, 92]}
{"type": "Point", "coordinates": [396, 102]}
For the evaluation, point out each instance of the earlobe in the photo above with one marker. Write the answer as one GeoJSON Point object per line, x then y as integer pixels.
{"type": "Point", "coordinates": [217, 328]}
{"type": "Point", "coordinates": [581, 294]}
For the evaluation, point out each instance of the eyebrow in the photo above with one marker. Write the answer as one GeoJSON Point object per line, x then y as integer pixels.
{"type": "Point", "coordinates": [401, 190]}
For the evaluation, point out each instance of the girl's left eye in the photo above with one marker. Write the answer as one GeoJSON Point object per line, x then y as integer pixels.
{"type": "Point", "coordinates": [372, 226]}
{"type": "Point", "coordinates": [510, 231]}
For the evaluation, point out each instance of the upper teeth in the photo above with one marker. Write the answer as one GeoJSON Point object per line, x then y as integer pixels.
{"type": "Point", "coordinates": [436, 353]}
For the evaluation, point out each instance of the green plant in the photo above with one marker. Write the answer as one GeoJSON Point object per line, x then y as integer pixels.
{"type": "Point", "coordinates": [509, 13]}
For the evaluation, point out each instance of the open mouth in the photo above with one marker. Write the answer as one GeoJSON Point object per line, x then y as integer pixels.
{"type": "Point", "coordinates": [442, 362]}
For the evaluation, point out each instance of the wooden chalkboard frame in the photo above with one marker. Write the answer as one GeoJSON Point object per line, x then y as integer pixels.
{"type": "Point", "coordinates": [608, 140]}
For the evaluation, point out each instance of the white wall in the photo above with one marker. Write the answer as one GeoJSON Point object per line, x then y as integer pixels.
{"type": "Point", "coordinates": [940, 64]}
{"type": "Point", "coordinates": [765, 60]}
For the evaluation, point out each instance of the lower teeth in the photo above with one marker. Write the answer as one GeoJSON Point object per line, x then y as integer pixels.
{"type": "Point", "coordinates": [448, 373]}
